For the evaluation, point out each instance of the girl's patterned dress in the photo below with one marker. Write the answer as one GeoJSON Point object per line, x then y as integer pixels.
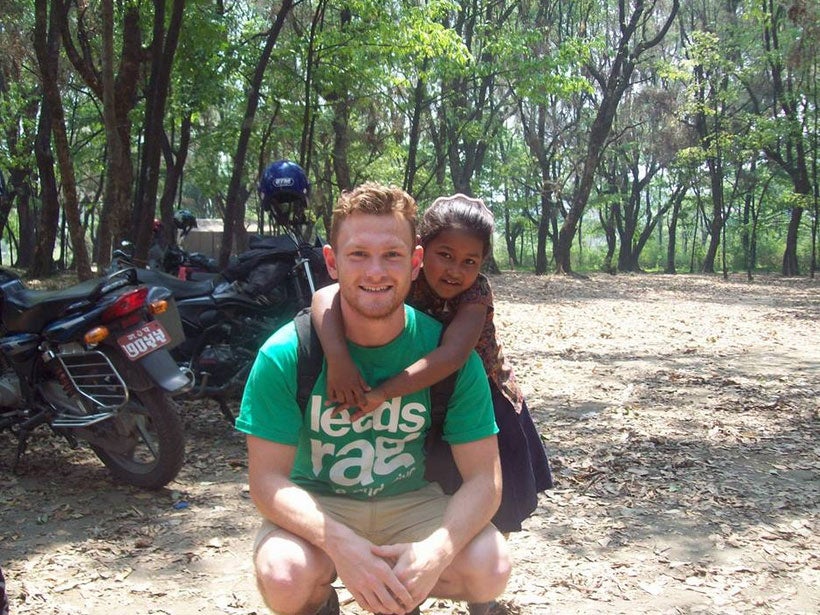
{"type": "Point", "coordinates": [524, 465]}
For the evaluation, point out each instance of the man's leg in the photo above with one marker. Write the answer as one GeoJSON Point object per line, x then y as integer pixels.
{"type": "Point", "coordinates": [293, 576]}
{"type": "Point", "coordinates": [480, 572]}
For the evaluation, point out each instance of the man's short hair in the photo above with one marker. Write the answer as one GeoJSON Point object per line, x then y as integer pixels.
{"type": "Point", "coordinates": [373, 198]}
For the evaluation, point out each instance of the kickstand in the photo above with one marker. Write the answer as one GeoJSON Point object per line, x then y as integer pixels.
{"type": "Point", "coordinates": [22, 444]}
{"type": "Point", "coordinates": [226, 410]}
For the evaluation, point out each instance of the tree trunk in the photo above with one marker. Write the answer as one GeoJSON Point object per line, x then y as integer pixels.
{"type": "Point", "coordinates": [509, 239]}
{"type": "Point", "coordinates": [716, 177]}
{"type": "Point", "coordinates": [115, 217]}
{"type": "Point", "coordinates": [174, 166]}
{"type": "Point", "coordinates": [414, 135]}
{"type": "Point", "coordinates": [597, 137]}
{"type": "Point", "coordinates": [44, 231]}
{"type": "Point", "coordinates": [340, 103]}
{"type": "Point", "coordinates": [235, 207]}
{"type": "Point", "coordinates": [21, 186]}
{"type": "Point", "coordinates": [112, 140]}
{"type": "Point", "coordinates": [47, 45]}
{"type": "Point", "coordinates": [672, 229]}
{"type": "Point", "coordinates": [543, 235]}
{"type": "Point", "coordinates": [163, 50]}
{"type": "Point", "coordinates": [790, 265]}
{"type": "Point", "coordinates": [786, 105]}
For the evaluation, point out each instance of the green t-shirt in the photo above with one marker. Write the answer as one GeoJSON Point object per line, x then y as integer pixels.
{"type": "Point", "coordinates": [381, 454]}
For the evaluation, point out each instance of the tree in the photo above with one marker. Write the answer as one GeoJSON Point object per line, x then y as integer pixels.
{"type": "Point", "coordinates": [47, 44]}
{"type": "Point", "coordinates": [117, 94]}
{"type": "Point", "coordinates": [628, 51]}
{"type": "Point", "coordinates": [790, 81]}
{"type": "Point", "coordinates": [550, 90]}
{"type": "Point", "coordinates": [235, 205]}
{"type": "Point", "coordinates": [20, 102]}
{"type": "Point", "coordinates": [163, 49]}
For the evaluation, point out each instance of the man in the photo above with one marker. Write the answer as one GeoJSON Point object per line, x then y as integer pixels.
{"type": "Point", "coordinates": [349, 498]}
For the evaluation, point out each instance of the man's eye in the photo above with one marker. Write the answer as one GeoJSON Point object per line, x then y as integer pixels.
{"type": "Point", "coordinates": [445, 255]}
{"type": "Point", "coordinates": [470, 262]}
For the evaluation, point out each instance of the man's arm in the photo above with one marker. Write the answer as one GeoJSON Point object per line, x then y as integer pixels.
{"type": "Point", "coordinates": [419, 565]}
{"type": "Point", "coordinates": [280, 500]}
{"type": "Point", "coordinates": [472, 507]}
{"type": "Point", "coordinates": [369, 578]}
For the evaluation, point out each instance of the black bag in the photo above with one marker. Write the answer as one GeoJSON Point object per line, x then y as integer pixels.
{"type": "Point", "coordinates": [262, 250]}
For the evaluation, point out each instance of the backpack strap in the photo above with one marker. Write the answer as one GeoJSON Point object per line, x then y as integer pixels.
{"type": "Point", "coordinates": [309, 357]}
{"type": "Point", "coordinates": [440, 394]}
{"type": "Point", "coordinates": [441, 467]}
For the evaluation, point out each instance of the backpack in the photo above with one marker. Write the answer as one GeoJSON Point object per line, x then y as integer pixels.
{"type": "Point", "coordinates": [441, 467]}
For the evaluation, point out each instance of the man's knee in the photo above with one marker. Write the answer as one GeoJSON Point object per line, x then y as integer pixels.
{"type": "Point", "coordinates": [480, 572]}
{"type": "Point", "coordinates": [490, 566]}
{"type": "Point", "coordinates": [291, 575]}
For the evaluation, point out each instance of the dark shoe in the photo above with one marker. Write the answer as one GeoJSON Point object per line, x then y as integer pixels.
{"type": "Point", "coordinates": [416, 611]}
{"type": "Point", "coordinates": [331, 607]}
{"type": "Point", "coordinates": [495, 607]}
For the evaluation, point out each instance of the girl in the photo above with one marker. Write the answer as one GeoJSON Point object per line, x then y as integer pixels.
{"type": "Point", "coordinates": [456, 234]}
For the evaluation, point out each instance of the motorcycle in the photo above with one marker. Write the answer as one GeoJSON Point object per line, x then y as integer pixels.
{"type": "Point", "coordinates": [92, 362]}
{"type": "Point", "coordinates": [173, 258]}
{"type": "Point", "coordinates": [226, 319]}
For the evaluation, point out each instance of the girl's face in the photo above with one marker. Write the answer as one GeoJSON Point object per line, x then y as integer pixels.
{"type": "Point", "coordinates": [452, 262]}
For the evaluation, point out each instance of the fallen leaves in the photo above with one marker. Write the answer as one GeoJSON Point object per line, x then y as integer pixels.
{"type": "Point", "coordinates": [684, 440]}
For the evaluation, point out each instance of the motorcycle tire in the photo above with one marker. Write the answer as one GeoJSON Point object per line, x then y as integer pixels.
{"type": "Point", "coordinates": [154, 450]}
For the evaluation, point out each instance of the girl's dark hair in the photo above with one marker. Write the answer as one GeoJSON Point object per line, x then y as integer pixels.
{"type": "Point", "coordinates": [461, 212]}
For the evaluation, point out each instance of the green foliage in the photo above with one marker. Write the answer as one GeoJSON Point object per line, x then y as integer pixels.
{"type": "Point", "coordinates": [351, 71]}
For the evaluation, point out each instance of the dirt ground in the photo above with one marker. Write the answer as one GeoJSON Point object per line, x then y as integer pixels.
{"type": "Point", "coordinates": [681, 416]}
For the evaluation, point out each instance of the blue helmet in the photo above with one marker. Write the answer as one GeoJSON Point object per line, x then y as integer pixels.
{"type": "Point", "coordinates": [284, 188]}
{"type": "Point", "coordinates": [283, 181]}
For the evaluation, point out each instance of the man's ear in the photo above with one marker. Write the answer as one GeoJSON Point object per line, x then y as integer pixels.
{"type": "Point", "coordinates": [330, 261]}
{"type": "Point", "coordinates": [417, 260]}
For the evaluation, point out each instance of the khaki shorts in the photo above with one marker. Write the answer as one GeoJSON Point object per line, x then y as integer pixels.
{"type": "Point", "coordinates": [409, 517]}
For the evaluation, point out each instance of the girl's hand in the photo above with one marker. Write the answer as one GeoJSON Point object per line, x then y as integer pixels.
{"type": "Point", "coordinates": [345, 384]}
{"type": "Point", "coordinates": [372, 400]}
{"type": "Point", "coordinates": [367, 403]}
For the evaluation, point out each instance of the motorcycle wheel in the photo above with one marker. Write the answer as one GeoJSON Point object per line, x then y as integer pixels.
{"type": "Point", "coordinates": [148, 441]}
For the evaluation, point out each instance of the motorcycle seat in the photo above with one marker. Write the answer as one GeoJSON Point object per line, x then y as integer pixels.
{"type": "Point", "coordinates": [28, 310]}
{"type": "Point", "coordinates": [181, 289]}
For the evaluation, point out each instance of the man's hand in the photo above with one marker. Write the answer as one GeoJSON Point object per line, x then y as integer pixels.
{"type": "Point", "coordinates": [370, 578]}
{"type": "Point", "coordinates": [416, 566]}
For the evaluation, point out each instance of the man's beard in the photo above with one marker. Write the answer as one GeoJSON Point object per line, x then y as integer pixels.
{"type": "Point", "coordinates": [377, 309]}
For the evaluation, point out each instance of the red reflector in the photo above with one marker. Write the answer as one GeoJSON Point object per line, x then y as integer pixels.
{"type": "Point", "coordinates": [125, 304]}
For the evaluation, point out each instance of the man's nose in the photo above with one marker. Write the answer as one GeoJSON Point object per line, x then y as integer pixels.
{"type": "Point", "coordinates": [376, 267]}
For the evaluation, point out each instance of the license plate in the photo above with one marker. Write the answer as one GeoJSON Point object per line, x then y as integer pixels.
{"type": "Point", "coordinates": [144, 340]}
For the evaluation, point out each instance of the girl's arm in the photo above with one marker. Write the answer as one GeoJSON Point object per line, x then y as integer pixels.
{"type": "Point", "coordinates": [459, 339]}
{"type": "Point", "coordinates": [344, 382]}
